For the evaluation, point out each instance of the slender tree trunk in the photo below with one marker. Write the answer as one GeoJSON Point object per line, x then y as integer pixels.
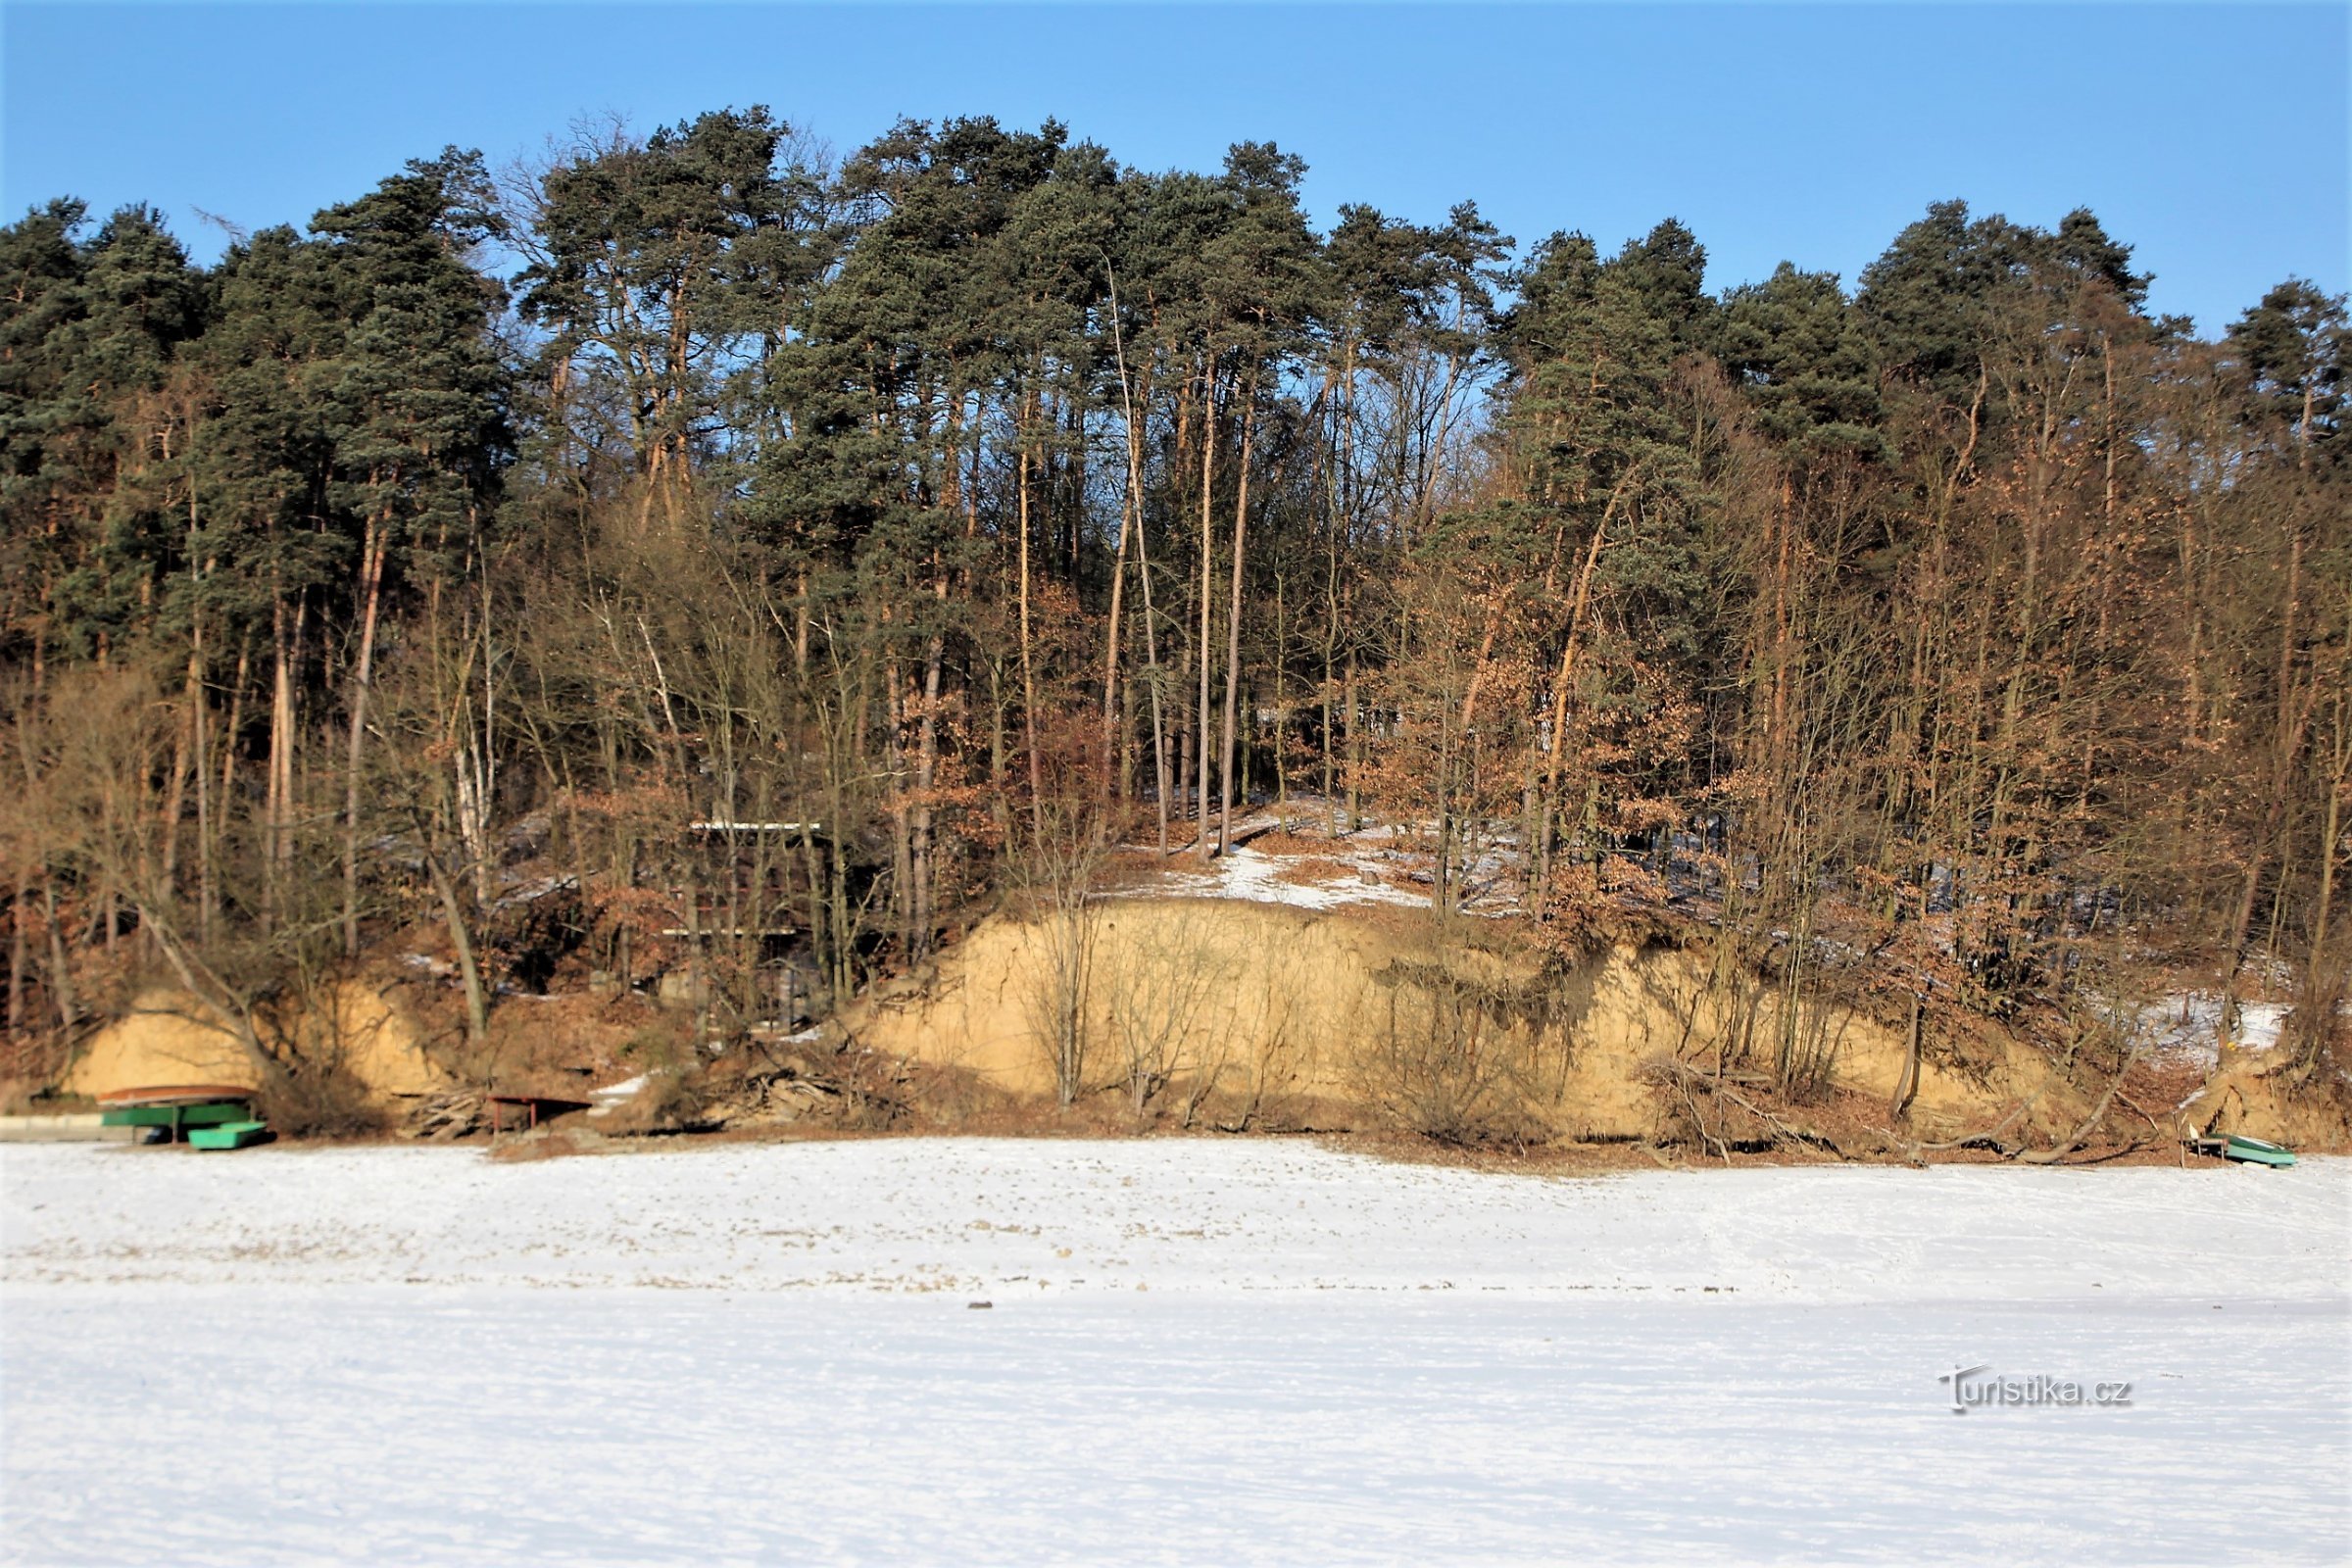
{"type": "Point", "coordinates": [372, 586]}
{"type": "Point", "coordinates": [1187, 738]}
{"type": "Point", "coordinates": [927, 747]}
{"type": "Point", "coordinates": [60, 973]}
{"type": "Point", "coordinates": [1151, 671]}
{"type": "Point", "coordinates": [2292, 721]}
{"type": "Point", "coordinates": [286, 635]}
{"type": "Point", "coordinates": [1209, 552]}
{"type": "Point", "coordinates": [209, 909]}
{"type": "Point", "coordinates": [1540, 882]}
{"type": "Point", "coordinates": [1335, 522]}
{"type": "Point", "coordinates": [1282, 712]}
{"type": "Point", "coordinates": [187, 759]}
{"type": "Point", "coordinates": [453, 913]}
{"type": "Point", "coordinates": [20, 910]}
{"type": "Point", "coordinates": [1355, 748]}
{"type": "Point", "coordinates": [1110, 641]}
{"type": "Point", "coordinates": [202, 706]}
{"type": "Point", "coordinates": [476, 802]}
{"type": "Point", "coordinates": [2332, 829]}
{"type": "Point", "coordinates": [901, 811]}
{"type": "Point", "coordinates": [999, 805]}
{"type": "Point", "coordinates": [1037, 776]}
{"type": "Point", "coordinates": [1130, 499]}
{"type": "Point", "coordinates": [1131, 512]}
{"type": "Point", "coordinates": [926, 776]}
{"type": "Point", "coordinates": [1233, 628]}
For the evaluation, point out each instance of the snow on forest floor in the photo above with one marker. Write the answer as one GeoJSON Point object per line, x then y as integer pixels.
{"type": "Point", "coordinates": [2186, 1026]}
{"type": "Point", "coordinates": [1365, 866]}
{"type": "Point", "coordinates": [1195, 1351]}
{"type": "Point", "coordinates": [1245, 873]}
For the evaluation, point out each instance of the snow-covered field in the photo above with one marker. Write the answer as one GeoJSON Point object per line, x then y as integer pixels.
{"type": "Point", "coordinates": [1196, 1350]}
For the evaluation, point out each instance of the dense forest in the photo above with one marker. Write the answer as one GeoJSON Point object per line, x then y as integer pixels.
{"type": "Point", "coordinates": [917, 524]}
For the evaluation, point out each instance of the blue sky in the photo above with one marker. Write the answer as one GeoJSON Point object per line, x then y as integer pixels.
{"type": "Point", "coordinates": [2214, 139]}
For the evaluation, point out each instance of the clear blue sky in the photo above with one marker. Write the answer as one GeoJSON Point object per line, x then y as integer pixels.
{"type": "Point", "coordinates": [2214, 139]}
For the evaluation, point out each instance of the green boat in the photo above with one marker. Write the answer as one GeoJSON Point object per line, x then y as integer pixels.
{"type": "Point", "coordinates": [217, 1114]}
{"type": "Point", "coordinates": [175, 1107]}
{"type": "Point", "coordinates": [228, 1135]}
{"type": "Point", "coordinates": [2255, 1150]}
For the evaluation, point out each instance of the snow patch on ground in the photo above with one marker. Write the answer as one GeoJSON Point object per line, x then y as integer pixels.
{"type": "Point", "coordinates": [1194, 1349]}
{"type": "Point", "coordinates": [2186, 1026]}
{"type": "Point", "coordinates": [610, 1098]}
{"type": "Point", "coordinates": [622, 1090]}
{"type": "Point", "coordinates": [1247, 874]}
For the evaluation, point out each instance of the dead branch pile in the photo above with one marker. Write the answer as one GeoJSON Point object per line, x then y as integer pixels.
{"type": "Point", "coordinates": [442, 1118]}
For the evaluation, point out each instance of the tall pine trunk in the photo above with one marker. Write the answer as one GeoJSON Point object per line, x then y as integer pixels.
{"type": "Point", "coordinates": [371, 587]}
{"type": "Point", "coordinates": [1209, 597]}
{"type": "Point", "coordinates": [1228, 740]}
{"type": "Point", "coordinates": [1037, 775]}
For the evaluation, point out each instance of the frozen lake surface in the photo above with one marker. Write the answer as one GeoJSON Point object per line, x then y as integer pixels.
{"type": "Point", "coordinates": [1195, 1351]}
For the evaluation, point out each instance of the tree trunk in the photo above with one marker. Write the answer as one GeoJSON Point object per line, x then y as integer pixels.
{"type": "Point", "coordinates": [1355, 751]}
{"type": "Point", "coordinates": [1540, 883]}
{"type": "Point", "coordinates": [2293, 719]}
{"type": "Point", "coordinates": [372, 586]}
{"type": "Point", "coordinates": [185, 758]}
{"type": "Point", "coordinates": [1131, 514]}
{"type": "Point", "coordinates": [279, 853]}
{"type": "Point", "coordinates": [926, 774]}
{"type": "Point", "coordinates": [1208, 551]}
{"type": "Point", "coordinates": [1233, 628]}
{"type": "Point", "coordinates": [1037, 776]}
{"type": "Point", "coordinates": [469, 971]}
{"type": "Point", "coordinates": [60, 973]}
{"type": "Point", "coordinates": [19, 909]}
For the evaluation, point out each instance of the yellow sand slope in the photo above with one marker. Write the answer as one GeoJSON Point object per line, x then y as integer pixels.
{"type": "Point", "coordinates": [169, 1036]}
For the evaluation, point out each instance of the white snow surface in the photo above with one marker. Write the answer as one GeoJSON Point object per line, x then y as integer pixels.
{"type": "Point", "coordinates": [2188, 1026]}
{"type": "Point", "coordinates": [1245, 873]}
{"type": "Point", "coordinates": [1196, 1350]}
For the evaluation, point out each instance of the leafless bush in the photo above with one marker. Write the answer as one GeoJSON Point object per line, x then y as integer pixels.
{"type": "Point", "coordinates": [1053, 883]}
{"type": "Point", "coordinates": [2316, 1029]}
{"type": "Point", "coordinates": [1158, 1001]}
{"type": "Point", "coordinates": [1720, 1115]}
{"type": "Point", "coordinates": [1457, 1058]}
{"type": "Point", "coordinates": [847, 1085]}
{"type": "Point", "coordinates": [1264, 1069]}
{"type": "Point", "coordinates": [322, 1104]}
